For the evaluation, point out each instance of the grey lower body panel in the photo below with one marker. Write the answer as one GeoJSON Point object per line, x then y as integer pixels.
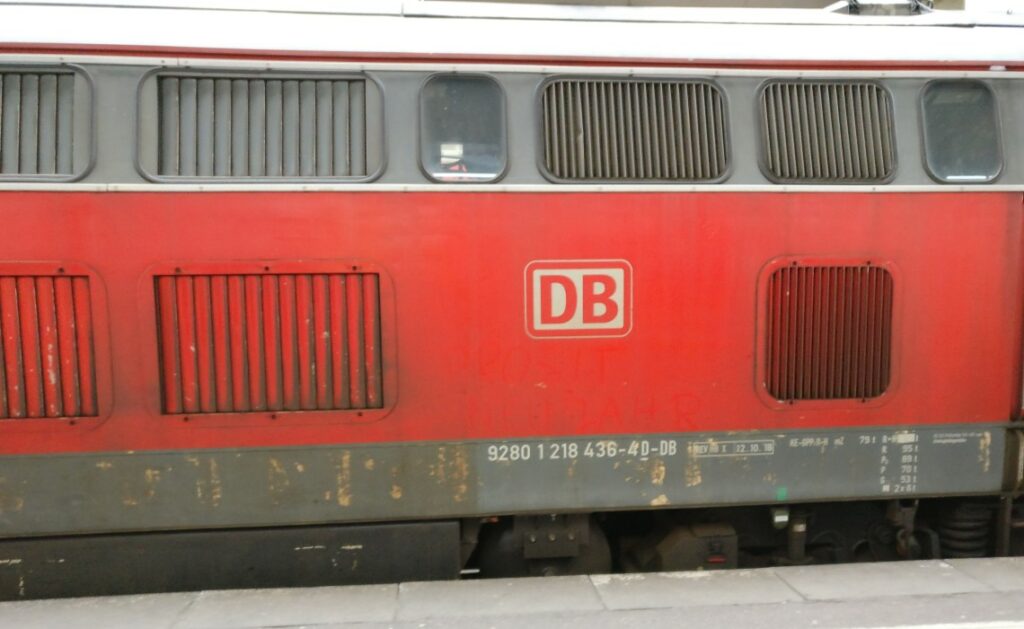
{"type": "Point", "coordinates": [148, 491]}
{"type": "Point", "coordinates": [99, 565]}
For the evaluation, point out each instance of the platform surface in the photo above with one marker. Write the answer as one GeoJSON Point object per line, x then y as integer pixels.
{"type": "Point", "coordinates": [952, 594]}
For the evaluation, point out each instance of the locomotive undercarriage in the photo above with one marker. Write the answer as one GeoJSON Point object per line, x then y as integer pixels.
{"type": "Point", "coordinates": [746, 537]}
{"type": "Point", "coordinates": [513, 546]}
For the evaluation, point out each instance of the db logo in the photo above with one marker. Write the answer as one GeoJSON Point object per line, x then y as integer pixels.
{"type": "Point", "coordinates": [569, 298]}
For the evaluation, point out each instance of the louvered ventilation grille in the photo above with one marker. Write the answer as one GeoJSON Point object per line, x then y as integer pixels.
{"type": "Point", "coordinates": [36, 123]}
{"type": "Point", "coordinates": [827, 132]}
{"type": "Point", "coordinates": [212, 127]}
{"type": "Point", "coordinates": [829, 333]}
{"type": "Point", "coordinates": [634, 130]}
{"type": "Point", "coordinates": [46, 353]}
{"type": "Point", "coordinates": [240, 343]}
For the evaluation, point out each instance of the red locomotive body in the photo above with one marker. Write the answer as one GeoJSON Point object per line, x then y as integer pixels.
{"type": "Point", "coordinates": [454, 315]}
{"type": "Point", "coordinates": [227, 365]}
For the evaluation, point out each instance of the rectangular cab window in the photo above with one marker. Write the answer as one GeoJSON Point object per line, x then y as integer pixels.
{"type": "Point", "coordinates": [961, 132]}
{"type": "Point", "coordinates": [462, 129]}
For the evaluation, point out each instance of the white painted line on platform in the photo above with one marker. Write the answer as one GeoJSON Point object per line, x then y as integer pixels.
{"type": "Point", "coordinates": [997, 624]}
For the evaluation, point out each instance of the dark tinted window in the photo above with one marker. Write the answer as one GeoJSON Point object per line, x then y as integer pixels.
{"type": "Point", "coordinates": [462, 128]}
{"type": "Point", "coordinates": [961, 133]}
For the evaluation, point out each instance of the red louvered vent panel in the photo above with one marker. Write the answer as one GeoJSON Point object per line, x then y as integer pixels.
{"type": "Point", "coordinates": [47, 352]}
{"type": "Point", "coordinates": [829, 332]}
{"type": "Point", "coordinates": [269, 342]}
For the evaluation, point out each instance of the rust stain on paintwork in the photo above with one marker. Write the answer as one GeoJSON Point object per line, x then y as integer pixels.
{"type": "Point", "coordinates": [52, 366]}
{"type": "Point", "coordinates": [985, 451]}
{"type": "Point", "coordinates": [369, 464]}
{"type": "Point", "coordinates": [136, 493]}
{"type": "Point", "coordinates": [208, 484]}
{"type": "Point", "coordinates": [343, 483]}
{"type": "Point", "coordinates": [104, 465]}
{"type": "Point", "coordinates": [692, 473]}
{"type": "Point", "coordinates": [152, 476]}
{"type": "Point", "coordinates": [657, 472]}
{"type": "Point", "coordinates": [396, 489]}
{"type": "Point", "coordinates": [436, 470]}
{"type": "Point", "coordinates": [215, 487]}
{"type": "Point", "coordinates": [659, 501]}
{"type": "Point", "coordinates": [460, 475]}
{"type": "Point", "coordinates": [11, 504]}
{"type": "Point", "coordinates": [451, 470]}
{"type": "Point", "coordinates": [277, 477]}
